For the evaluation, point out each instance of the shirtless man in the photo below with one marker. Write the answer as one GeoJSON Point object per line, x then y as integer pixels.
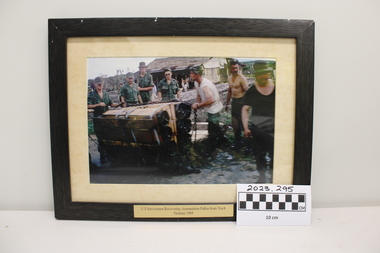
{"type": "Point", "coordinates": [237, 86]}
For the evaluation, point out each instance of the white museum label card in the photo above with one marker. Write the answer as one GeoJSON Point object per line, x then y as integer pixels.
{"type": "Point", "coordinates": [267, 204]}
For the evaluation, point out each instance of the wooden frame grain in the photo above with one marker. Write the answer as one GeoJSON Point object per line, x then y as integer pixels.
{"type": "Point", "coordinates": [62, 29]}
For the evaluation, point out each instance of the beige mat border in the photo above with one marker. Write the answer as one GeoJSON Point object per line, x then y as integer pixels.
{"type": "Point", "coordinates": [79, 49]}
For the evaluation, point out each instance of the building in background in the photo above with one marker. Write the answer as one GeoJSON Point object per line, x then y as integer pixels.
{"type": "Point", "coordinates": [215, 68]}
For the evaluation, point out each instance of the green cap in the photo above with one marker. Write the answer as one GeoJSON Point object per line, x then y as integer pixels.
{"type": "Point", "coordinates": [197, 69]}
{"type": "Point", "coordinates": [130, 75]}
{"type": "Point", "coordinates": [261, 67]}
{"type": "Point", "coordinates": [98, 80]}
{"type": "Point", "coordinates": [142, 65]}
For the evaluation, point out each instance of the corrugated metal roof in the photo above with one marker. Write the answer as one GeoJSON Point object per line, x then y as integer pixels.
{"type": "Point", "coordinates": [175, 63]}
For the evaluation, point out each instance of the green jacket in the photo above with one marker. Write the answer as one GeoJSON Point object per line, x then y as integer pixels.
{"type": "Point", "coordinates": [130, 93]}
{"type": "Point", "coordinates": [144, 82]}
{"type": "Point", "coordinates": [168, 92]}
{"type": "Point", "coordinates": [94, 98]}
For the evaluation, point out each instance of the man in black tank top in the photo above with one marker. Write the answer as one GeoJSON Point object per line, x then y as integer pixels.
{"type": "Point", "coordinates": [259, 128]}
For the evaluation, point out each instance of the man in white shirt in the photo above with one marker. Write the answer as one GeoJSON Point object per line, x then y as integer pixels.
{"type": "Point", "coordinates": [208, 99]}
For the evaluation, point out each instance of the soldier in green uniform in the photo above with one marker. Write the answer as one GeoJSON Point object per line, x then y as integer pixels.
{"type": "Point", "coordinates": [168, 88]}
{"type": "Point", "coordinates": [145, 83]}
{"type": "Point", "coordinates": [129, 93]}
{"type": "Point", "coordinates": [99, 100]}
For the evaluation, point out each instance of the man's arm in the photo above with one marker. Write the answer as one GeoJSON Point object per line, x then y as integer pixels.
{"type": "Point", "coordinates": [92, 106]}
{"type": "Point", "coordinates": [198, 99]}
{"type": "Point", "coordinates": [122, 96]}
{"type": "Point", "coordinates": [159, 94]}
{"type": "Point", "coordinates": [116, 104]}
{"type": "Point", "coordinates": [229, 94]}
{"type": "Point", "coordinates": [146, 88]}
{"type": "Point", "coordinates": [178, 92]}
{"type": "Point", "coordinates": [149, 88]}
{"type": "Point", "coordinates": [244, 83]}
{"type": "Point", "coordinates": [90, 102]}
{"type": "Point", "coordinates": [196, 104]}
{"type": "Point", "coordinates": [208, 101]}
{"type": "Point", "coordinates": [209, 97]}
{"type": "Point", "coordinates": [245, 119]}
{"type": "Point", "coordinates": [123, 101]}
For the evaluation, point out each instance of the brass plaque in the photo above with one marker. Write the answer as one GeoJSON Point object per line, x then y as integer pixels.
{"type": "Point", "coordinates": [183, 211]}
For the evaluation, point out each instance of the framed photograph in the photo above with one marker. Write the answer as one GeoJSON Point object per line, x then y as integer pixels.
{"type": "Point", "coordinates": [160, 118]}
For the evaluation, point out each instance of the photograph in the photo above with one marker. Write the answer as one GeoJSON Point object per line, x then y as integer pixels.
{"type": "Point", "coordinates": [181, 120]}
{"type": "Point", "coordinates": [176, 114]}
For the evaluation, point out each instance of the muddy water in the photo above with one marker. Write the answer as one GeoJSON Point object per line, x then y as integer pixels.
{"type": "Point", "coordinates": [225, 167]}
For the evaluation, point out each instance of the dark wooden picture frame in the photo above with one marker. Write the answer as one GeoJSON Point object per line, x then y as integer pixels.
{"type": "Point", "coordinates": [62, 29]}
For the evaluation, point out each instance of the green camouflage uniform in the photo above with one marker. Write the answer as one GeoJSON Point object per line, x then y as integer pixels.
{"type": "Point", "coordinates": [168, 92]}
{"type": "Point", "coordinates": [94, 98]}
{"type": "Point", "coordinates": [144, 82]}
{"type": "Point", "coordinates": [130, 93]}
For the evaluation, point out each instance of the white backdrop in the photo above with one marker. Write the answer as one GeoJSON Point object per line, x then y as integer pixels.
{"type": "Point", "coordinates": [346, 139]}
